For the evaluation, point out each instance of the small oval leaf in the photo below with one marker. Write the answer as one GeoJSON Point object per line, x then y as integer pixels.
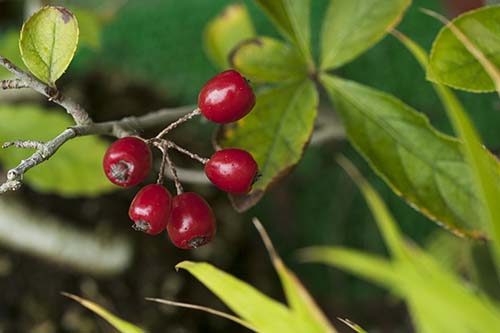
{"type": "Point", "coordinates": [452, 64]}
{"type": "Point", "coordinates": [265, 59]}
{"type": "Point", "coordinates": [48, 42]}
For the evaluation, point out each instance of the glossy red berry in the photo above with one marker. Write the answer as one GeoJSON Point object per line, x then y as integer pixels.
{"type": "Point", "coordinates": [192, 222]}
{"type": "Point", "coordinates": [127, 161]}
{"type": "Point", "coordinates": [232, 170]}
{"type": "Point", "coordinates": [150, 209]}
{"type": "Point", "coordinates": [226, 97]}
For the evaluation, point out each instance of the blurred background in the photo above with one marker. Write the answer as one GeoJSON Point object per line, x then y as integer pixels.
{"type": "Point", "coordinates": [139, 56]}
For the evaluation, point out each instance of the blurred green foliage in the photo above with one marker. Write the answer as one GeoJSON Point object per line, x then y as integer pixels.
{"type": "Point", "coordinates": [158, 42]}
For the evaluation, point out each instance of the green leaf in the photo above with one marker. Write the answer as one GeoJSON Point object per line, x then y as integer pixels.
{"type": "Point", "coordinates": [76, 168]}
{"type": "Point", "coordinates": [439, 300]}
{"type": "Point", "coordinates": [299, 300]}
{"type": "Point", "coordinates": [353, 26]}
{"type": "Point", "coordinates": [485, 167]}
{"type": "Point", "coordinates": [452, 63]}
{"type": "Point", "coordinates": [264, 59]}
{"type": "Point", "coordinates": [262, 312]}
{"type": "Point", "coordinates": [48, 42]}
{"type": "Point", "coordinates": [485, 171]}
{"type": "Point", "coordinates": [9, 48]}
{"type": "Point", "coordinates": [291, 18]}
{"type": "Point", "coordinates": [226, 31]}
{"type": "Point", "coordinates": [374, 268]}
{"type": "Point", "coordinates": [120, 324]}
{"type": "Point", "coordinates": [276, 131]}
{"type": "Point", "coordinates": [420, 164]}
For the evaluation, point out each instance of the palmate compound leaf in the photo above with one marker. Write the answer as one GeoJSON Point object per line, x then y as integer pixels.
{"type": "Point", "coordinates": [351, 27]}
{"type": "Point", "coordinates": [276, 133]}
{"type": "Point", "coordinates": [48, 42]}
{"type": "Point", "coordinates": [264, 59]}
{"type": "Point", "coordinates": [425, 167]}
{"type": "Point", "coordinates": [291, 18]}
{"type": "Point", "coordinates": [121, 325]}
{"type": "Point", "coordinates": [226, 31]}
{"type": "Point", "coordinates": [75, 169]}
{"type": "Point", "coordinates": [453, 64]}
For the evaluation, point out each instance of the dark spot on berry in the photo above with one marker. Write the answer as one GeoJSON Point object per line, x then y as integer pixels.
{"type": "Point", "coordinates": [121, 171]}
{"type": "Point", "coordinates": [141, 225]}
{"type": "Point", "coordinates": [65, 14]}
{"type": "Point", "coordinates": [197, 242]}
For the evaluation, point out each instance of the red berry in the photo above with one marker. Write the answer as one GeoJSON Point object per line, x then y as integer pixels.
{"type": "Point", "coordinates": [127, 161]}
{"type": "Point", "coordinates": [192, 222]}
{"type": "Point", "coordinates": [226, 97]}
{"type": "Point", "coordinates": [232, 170]}
{"type": "Point", "coordinates": [150, 209]}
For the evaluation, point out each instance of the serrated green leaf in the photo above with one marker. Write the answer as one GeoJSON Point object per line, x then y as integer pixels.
{"type": "Point", "coordinates": [423, 166]}
{"type": "Point", "coordinates": [291, 18]}
{"type": "Point", "coordinates": [485, 167]}
{"type": "Point", "coordinates": [264, 59]}
{"type": "Point", "coordinates": [227, 30]}
{"type": "Point", "coordinates": [276, 131]}
{"type": "Point", "coordinates": [121, 325]}
{"type": "Point", "coordinates": [9, 48]}
{"type": "Point", "coordinates": [48, 42]}
{"type": "Point", "coordinates": [76, 168]}
{"type": "Point", "coordinates": [452, 64]}
{"type": "Point", "coordinates": [353, 26]}
{"type": "Point", "coordinates": [262, 312]}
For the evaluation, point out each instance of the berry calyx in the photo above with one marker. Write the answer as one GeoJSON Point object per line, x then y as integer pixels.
{"type": "Point", "coordinates": [192, 221]}
{"type": "Point", "coordinates": [226, 97]}
{"type": "Point", "coordinates": [127, 161]}
{"type": "Point", "coordinates": [150, 209]}
{"type": "Point", "coordinates": [232, 170]}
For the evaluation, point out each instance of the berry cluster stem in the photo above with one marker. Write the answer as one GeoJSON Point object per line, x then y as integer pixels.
{"type": "Point", "coordinates": [171, 166]}
{"type": "Point", "coordinates": [176, 123]}
{"type": "Point", "coordinates": [186, 152]}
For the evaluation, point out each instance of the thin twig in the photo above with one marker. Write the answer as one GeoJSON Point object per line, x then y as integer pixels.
{"type": "Point", "coordinates": [49, 148]}
{"type": "Point", "coordinates": [161, 174]}
{"type": "Point", "coordinates": [13, 84]}
{"type": "Point", "coordinates": [80, 116]}
{"type": "Point", "coordinates": [173, 171]}
{"type": "Point", "coordinates": [27, 144]}
{"type": "Point", "coordinates": [192, 155]}
{"type": "Point", "coordinates": [176, 123]}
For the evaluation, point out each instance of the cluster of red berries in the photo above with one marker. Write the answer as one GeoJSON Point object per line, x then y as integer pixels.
{"type": "Point", "coordinates": [187, 217]}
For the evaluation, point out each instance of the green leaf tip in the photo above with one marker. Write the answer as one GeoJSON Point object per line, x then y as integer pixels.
{"type": "Point", "coordinates": [118, 323]}
{"type": "Point", "coordinates": [48, 42]}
